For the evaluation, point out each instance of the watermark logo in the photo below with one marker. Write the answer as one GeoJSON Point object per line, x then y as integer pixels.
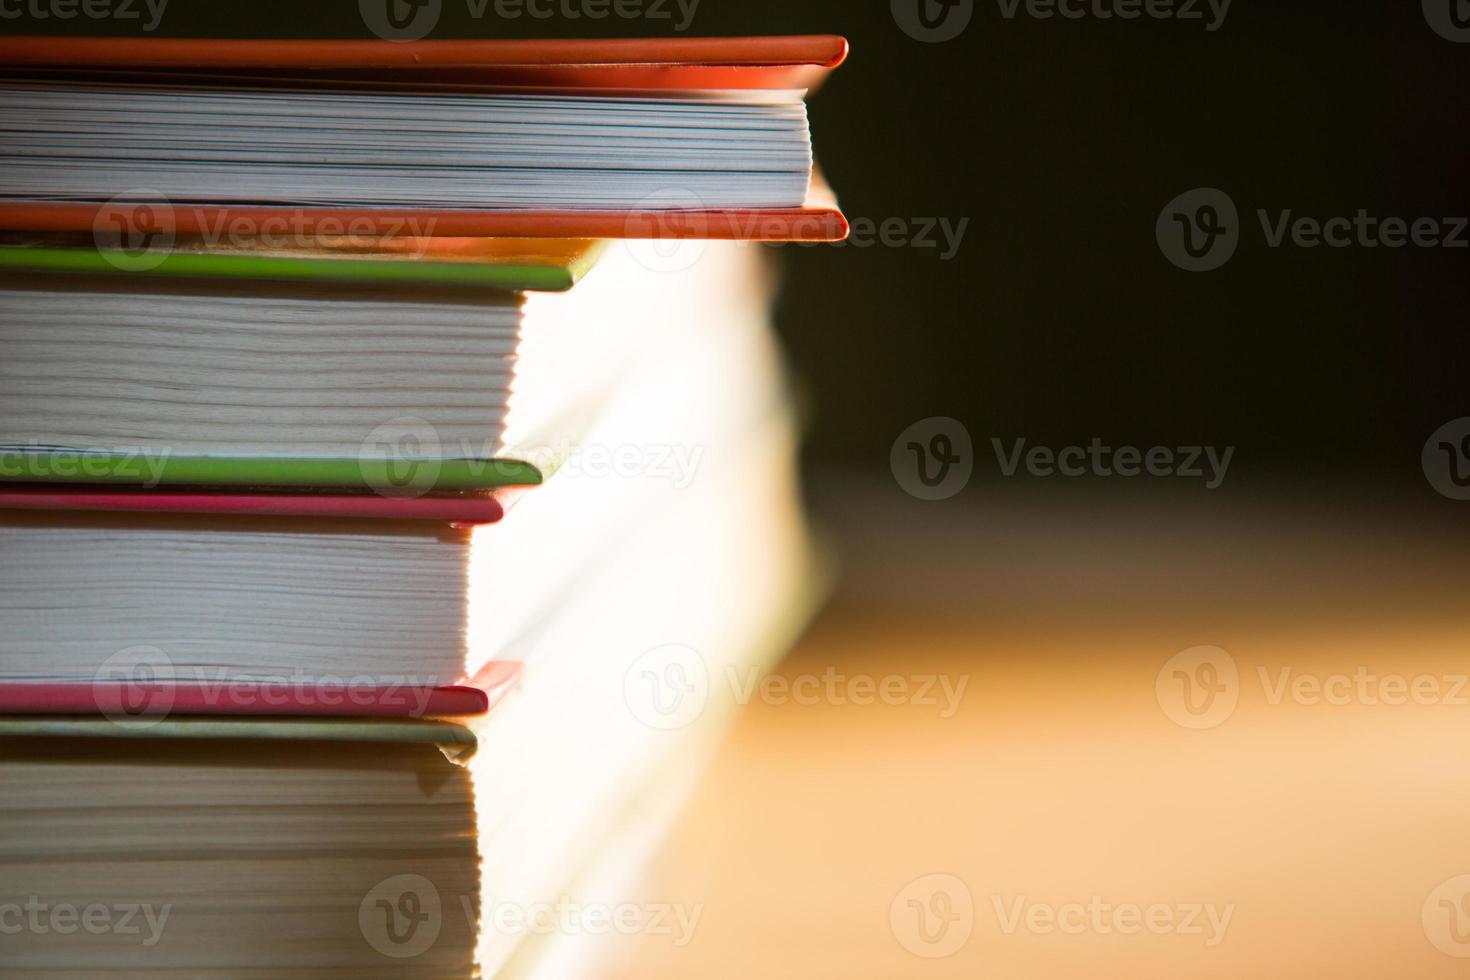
{"type": "Point", "coordinates": [1446, 917]}
{"type": "Point", "coordinates": [136, 230]}
{"type": "Point", "coordinates": [1198, 688]}
{"type": "Point", "coordinates": [667, 687]}
{"type": "Point", "coordinates": [1199, 230]}
{"type": "Point", "coordinates": [933, 459]}
{"type": "Point", "coordinates": [1450, 19]}
{"type": "Point", "coordinates": [932, 21]}
{"type": "Point", "coordinates": [1446, 459]}
{"type": "Point", "coordinates": [933, 916]}
{"type": "Point", "coordinates": [666, 231]}
{"type": "Point", "coordinates": [401, 458]}
{"type": "Point", "coordinates": [401, 916]}
{"type": "Point", "coordinates": [400, 20]}
{"type": "Point", "coordinates": [134, 688]}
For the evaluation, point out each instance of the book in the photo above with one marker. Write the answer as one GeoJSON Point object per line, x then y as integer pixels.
{"type": "Point", "coordinates": [140, 688]}
{"type": "Point", "coordinates": [511, 138]}
{"type": "Point", "coordinates": [408, 848]}
{"type": "Point", "coordinates": [229, 601]}
{"type": "Point", "coordinates": [217, 855]}
{"type": "Point", "coordinates": [381, 552]}
{"type": "Point", "coordinates": [461, 510]}
{"type": "Point", "coordinates": [509, 264]}
{"type": "Point", "coordinates": [384, 384]}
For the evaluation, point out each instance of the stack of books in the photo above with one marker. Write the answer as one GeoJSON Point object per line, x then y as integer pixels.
{"type": "Point", "coordinates": [395, 463]}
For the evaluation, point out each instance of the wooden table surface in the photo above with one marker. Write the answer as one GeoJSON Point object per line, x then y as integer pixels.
{"type": "Point", "coordinates": [1073, 815]}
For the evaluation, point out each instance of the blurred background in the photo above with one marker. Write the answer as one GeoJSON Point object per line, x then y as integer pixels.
{"type": "Point", "coordinates": [1163, 694]}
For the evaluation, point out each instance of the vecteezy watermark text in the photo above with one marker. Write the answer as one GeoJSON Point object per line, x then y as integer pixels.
{"type": "Point", "coordinates": [933, 917]}
{"type": "Point", "coordinates": [142, 467]}
{"type": "Point", "coordinates": [673, 921]}
{"type": "Point", "coordinates": [137, 687]}
{"type": "Point", "coordinates": [39, 917]}
{"type": "Point", "coordinates": [411, 20]}
{"type": "Point", "coordinates": [1206, 920]}
{"type": "Point", "coordinates": [147, 13]}
{"type": "Point", "coordinates": [1211, 13]}
{"type": "Point", "coordinates": [831, 686]}
{"type": "Point", "coordinates": [941, 235]}
{"type": "Point", "coordinates": [1101, 460]}
{"type": "Point", "coordinates": [936, 21]}
{"type": "Point", "coordinates": [679, 14]}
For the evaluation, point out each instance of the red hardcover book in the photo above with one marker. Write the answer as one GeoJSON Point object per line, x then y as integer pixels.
{"type": "Point", "coordinates": [636, 67]}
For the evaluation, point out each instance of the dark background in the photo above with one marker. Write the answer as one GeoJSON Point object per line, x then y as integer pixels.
{"type": "Point", "coordinates": [1060, 320]}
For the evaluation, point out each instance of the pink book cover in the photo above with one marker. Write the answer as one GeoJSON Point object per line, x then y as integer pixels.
{"type": "Point", "coordinates": [141, 698]}
{"type": "Point", "coordinates": [465, 510]}
{"type": "Point", "coordinates": [149, 697]}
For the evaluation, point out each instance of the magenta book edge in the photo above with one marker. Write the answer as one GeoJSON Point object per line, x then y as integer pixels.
{"type": "Point", "coordinates": [466, 511]}
{"type": "Point", "coordinates": [152, 699]}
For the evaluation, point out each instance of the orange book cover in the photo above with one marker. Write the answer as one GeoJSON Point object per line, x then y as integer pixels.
{"type": "Point", "coordinates": [654, 64]}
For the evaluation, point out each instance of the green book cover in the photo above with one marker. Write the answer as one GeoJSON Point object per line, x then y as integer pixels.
{"type": "Point", "coordinates": [520, 265]}
{"type": "Point", "coordinates": [507, 264]}
{"type": "Point", "coordinates": [390, 477]}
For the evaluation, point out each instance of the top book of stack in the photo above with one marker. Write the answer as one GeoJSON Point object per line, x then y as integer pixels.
{"type": "Point", "coordinates": [676, 138]}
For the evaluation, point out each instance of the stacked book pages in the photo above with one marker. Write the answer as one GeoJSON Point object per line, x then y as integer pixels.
{"type": "Point", "coordinates": [395, 465]}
